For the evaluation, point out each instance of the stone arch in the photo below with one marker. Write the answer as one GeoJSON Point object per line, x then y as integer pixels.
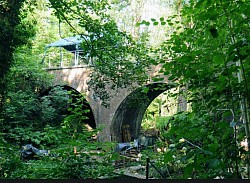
{"type": "Point", "coordinates": [91, 120]}
{"type": "Point", "coordinates": [131, 110]}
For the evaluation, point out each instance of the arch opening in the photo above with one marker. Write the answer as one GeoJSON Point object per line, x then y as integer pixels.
{"type": "Point", "coordinates": [75, 95]}
{"type": "Point", "coordinates": [129, 115]}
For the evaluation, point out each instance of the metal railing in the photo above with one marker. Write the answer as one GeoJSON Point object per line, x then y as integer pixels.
{"type": "Point", "coordinates": [63, 59]}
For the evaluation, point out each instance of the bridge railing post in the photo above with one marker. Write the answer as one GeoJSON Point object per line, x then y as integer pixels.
{"type": "Point", "coordinates": [61, 57]}
{"type": "Point", "coordinates": [76, 61]}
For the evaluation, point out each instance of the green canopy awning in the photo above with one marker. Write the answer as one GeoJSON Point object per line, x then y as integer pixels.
{"type": "Point", "coordinates": [69, 43]}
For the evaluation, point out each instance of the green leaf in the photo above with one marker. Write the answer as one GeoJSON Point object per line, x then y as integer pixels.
{"type": "Point", "coordinates": [138, 24]}
{"type": "Point", "coordinates": [147, 23]}
{"type": "Point", "coordinates": [168, 157]}
{"type": "Point", "coordinates": [222, 79]}
{"type": "Point", "coordinates": [155, 23]}
{"type": "Point", "coordinates": [166, 73]}
{"type": "Point", "coordinates": [157, 79]}
{"type": "Point", "coordinates": [218, 59]}
{"type": "Point", "coordinates": [145, 90]}
{"type": "Point", "coordinates": [162, 19]}
{"type": "Point", "coordinates": [163, 23]}
{"type": "Point", "coordinates": [143, 22]}
{"type": "Point", "coordinates": [199, 4]}
{"type": "Point", "coordinates": [233, 46]}
{"type": "Point", "coordinates": [188, 170]}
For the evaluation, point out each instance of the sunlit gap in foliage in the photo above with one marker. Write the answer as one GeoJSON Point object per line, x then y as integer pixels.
{"type": "Point", "coordinates": [163, 108]}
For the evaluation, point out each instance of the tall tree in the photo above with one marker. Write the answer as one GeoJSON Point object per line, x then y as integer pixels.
{"type": "Point", "coordinates": [13, 33]}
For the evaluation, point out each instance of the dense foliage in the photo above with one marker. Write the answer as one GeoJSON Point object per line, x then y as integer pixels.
{"type": "Point", "coordinates": [15, 31]}
{"type": "Point", "coordinates": [207, 56]}
{"type": "Point", "coordinates": [205, 52]}
{"type": "Point", "coordinates": [73, 150]}
{"type": "Point", "coordinates": [119, 61]}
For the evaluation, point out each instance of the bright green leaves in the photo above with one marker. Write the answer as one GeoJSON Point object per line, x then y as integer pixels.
{"type": "Point", "coordinates": [145, 89]}
{"type": "Point", "coordinates": [118, 60]}
{"type": "Point", "coordinates": [144, 22]}
{"type": "Point", "coordinates": [155, 22]}
{"type": "Point", "coordinates": [157, 79]}
{"type": "Point", "coordinates": [205, 55]}
{"type": "Point", "coordinates": [222, 83]}
{"type": "Point", "coordinates": [168, 157]}
{"type": "Point", "coordinates": [200, 4]}
{"type": "Point", "coordinates": [147, 23]}
{"type": "Point", "coordinates": [170, 22]}
{"type": "Point", "coordinates": [163, 23]}
{"type": "Point", "coordinates": [162, 20]}
{"type": "Point", "coordinates": [218, 59]}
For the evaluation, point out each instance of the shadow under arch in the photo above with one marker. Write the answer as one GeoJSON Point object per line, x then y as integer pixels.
{"type": "Point", "coordinates": [131, 111]}
{"type": "Point", "coordinates": [91, 120]}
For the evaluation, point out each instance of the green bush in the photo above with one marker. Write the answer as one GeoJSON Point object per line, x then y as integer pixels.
{"type": "Point", "coordinates": [64, 163]}
{"type": "Point", "coordinates": [73, 153]}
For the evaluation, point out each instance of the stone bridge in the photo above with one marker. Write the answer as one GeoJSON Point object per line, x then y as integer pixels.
{"type": "Point", "coordinates": [126, 107]}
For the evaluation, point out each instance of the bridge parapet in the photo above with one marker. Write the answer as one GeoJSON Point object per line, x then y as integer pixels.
{"type": "Point", "coordinates": [66, 52]}
{"type": "Point", "coordinates": [62, 59]}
